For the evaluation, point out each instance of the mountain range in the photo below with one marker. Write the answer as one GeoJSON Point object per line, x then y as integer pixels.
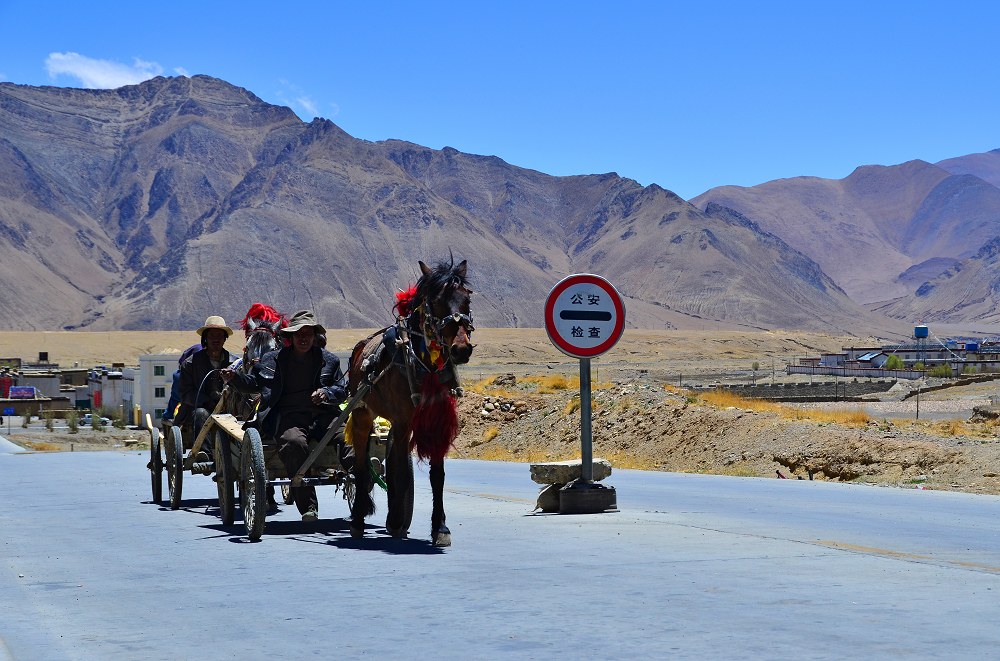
{"type": "Point", "coordinates": [155, 205]}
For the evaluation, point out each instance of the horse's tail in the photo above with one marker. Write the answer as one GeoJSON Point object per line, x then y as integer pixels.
{"type": "Point", "coordinates": [435, 420]}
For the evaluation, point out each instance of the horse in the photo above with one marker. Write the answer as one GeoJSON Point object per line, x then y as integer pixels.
{"type": "Point", "coordinates": [410, 368]}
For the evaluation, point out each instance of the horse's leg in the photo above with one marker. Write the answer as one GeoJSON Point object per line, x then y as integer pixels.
{"type": "Point", "coordinates": [360, 427]}
{"type": "Point", "coordinates": [440, 535]}
{"type": "Point", "coordinates": [399, 479]}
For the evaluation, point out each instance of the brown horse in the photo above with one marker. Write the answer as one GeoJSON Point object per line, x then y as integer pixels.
{"type": "Point", "coordinates": [410, 369]}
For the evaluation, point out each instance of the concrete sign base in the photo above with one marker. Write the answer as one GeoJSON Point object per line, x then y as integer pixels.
{"type": "Point", "coordinates": [580, 497]}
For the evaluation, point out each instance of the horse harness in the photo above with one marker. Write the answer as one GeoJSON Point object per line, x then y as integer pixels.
{"type": "Point", "coordinates": [418, 350]}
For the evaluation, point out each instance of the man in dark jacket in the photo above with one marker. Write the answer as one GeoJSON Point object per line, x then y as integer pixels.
{"type": "Point", "coordinates": [301, 389]}
{"type": "Point", "coordinates": [201, 382]}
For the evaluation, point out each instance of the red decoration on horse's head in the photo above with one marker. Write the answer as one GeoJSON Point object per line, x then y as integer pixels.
{"type": "Point", "coordinates": [261, 312]}
{"type": "Point", "coordinates": [405, 301]}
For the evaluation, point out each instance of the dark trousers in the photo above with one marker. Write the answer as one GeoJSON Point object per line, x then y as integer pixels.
{"type": "Point", "coordinates": [294, 432]}
{"type": "Point", "coordinates": [293, 448]}
{"type": "Point", "coordinates": [198, 420]}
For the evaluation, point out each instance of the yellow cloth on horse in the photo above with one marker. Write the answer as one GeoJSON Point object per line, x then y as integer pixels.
{"type": "Point", "coordinates": [348, 431]}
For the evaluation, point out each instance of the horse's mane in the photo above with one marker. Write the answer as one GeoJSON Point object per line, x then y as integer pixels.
{"type": "Point", "coordinates": [443, 276]}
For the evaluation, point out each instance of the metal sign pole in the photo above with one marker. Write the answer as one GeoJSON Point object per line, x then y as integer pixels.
{"type": "Point", "coordinates": [586, 437]}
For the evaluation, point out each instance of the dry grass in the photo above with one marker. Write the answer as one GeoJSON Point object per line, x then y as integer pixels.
{"type": "Point", "coordinates": [43, 447]}
{"type": "Point", "coordinates": [951, 428]}
{"type": "Point", "coordinates": [550, 383]}
{"type": "Point", "coordinates": [735, 470]}
{"type": "Point", "coordinates": [726, 399]}
{"type": "Point", "coordinates": [572, 406]}
{"type": "Point", "coordinates": [519, 456]}
{"type": "Point", "coordinates": [628, 461]}
{"type": "Point", "coordinates": [486, 387]}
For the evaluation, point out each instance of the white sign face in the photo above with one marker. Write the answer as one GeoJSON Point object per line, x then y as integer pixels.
{"type": "Point", "coordinates": [584, 315]}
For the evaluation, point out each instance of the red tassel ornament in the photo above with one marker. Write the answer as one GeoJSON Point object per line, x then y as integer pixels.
{"type": "Point", "coordinates": [435, 421]}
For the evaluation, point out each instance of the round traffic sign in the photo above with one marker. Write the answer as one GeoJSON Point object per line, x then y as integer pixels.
{"type": "Point", "coordinates": [584, 315]}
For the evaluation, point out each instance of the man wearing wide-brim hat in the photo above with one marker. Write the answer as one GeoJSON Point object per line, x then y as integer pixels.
{"type": "Point", "coordinates": [200, 380]}
{"type": "Point", "coordinates": [302, 387]}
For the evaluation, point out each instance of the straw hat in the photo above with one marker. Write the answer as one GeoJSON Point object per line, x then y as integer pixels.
{"type": "Point", "coordinates": [215, 321]}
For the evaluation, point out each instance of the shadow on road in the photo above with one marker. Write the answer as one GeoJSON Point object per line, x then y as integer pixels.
{"type": "Point", "coordinates": [334, 532]}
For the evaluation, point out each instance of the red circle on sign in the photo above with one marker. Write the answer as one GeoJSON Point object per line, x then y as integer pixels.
{"type": "Point", "coordinates": [565, 345]}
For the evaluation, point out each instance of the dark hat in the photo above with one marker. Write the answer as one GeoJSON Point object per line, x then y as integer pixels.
{"type": "Point", "coordinates": [300, 320]}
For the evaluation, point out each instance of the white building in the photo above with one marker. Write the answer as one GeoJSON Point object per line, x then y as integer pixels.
{"type": "Point", "coordinates": [130, 403]}
{"type": "Point", "coordinates": [106, 390]}
{"type": "Point", "coordinates": [152, 383]}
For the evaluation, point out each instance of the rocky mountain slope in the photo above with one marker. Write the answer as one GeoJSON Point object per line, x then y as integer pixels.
{"type": "Point", "coordinates": [153, 205]}
{"type": "Point", "coordinates": [882, 232]}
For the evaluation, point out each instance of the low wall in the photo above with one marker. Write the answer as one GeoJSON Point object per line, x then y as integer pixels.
{"type": "Point", "coordinates": [808, 392]}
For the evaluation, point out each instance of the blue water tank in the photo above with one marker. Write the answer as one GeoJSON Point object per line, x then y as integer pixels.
{"type": "Point", "coordinates": [920, 331]}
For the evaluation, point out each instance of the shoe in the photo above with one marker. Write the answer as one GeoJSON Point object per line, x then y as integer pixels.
{"type": "Point", "coordinates": [201, 458]}
{"type": "Point", "coordinates": [272, 506]}
{"type": "Point", "coordinates": [310, 515]}
{"type": "Point", "coordinates": [378, 467]}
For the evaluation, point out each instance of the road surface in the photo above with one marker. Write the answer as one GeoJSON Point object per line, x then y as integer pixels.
{"type": "Point", "coordinates": [691, 567]}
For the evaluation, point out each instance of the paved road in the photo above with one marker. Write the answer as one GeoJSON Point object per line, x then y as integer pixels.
{"type": "Point", "coordinates": [691, 567]}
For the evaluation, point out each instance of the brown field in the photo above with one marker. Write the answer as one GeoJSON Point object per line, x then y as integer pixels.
{"type": "Point", "coordinates": [497, 349]}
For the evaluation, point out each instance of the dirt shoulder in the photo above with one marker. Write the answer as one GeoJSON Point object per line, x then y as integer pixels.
{"type": "Point", "coordinates": [643, 425]}
{"type": "Point", "coordinates": [36, 437]}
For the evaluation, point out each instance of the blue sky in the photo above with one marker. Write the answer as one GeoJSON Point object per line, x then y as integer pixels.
{"type": "Point", "coordinates": [685, 95]}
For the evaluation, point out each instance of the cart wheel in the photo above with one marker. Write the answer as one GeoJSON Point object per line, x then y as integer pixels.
{"type": "Point", "coordinates": [156, 465]}
{"type": "Point", "coordinates": [404, 481]}
{"type": "Point", "coordinates": [253, 484]}
{"type": "Point", "coordinates": [349, 491]}
{"type": "Point", "coordinates": [175, 466]}
{"type": "Point", "coordinates": [286, 494]}
{"type": "Point", "coordinates": [225, 478]}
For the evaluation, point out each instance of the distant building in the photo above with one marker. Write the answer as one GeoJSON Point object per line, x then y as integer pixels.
{"type": "Point", "coordinates": [106, 389]}
{"type": "Point", "coordinates": [153, 382]}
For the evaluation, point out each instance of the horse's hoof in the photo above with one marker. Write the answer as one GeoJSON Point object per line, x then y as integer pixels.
{"type": "Point", "coordinates": [442, 537]}
{"type": "Point", "coordinates": [357, 533]}
{"type": "Point", "coordinates": [396, 533]}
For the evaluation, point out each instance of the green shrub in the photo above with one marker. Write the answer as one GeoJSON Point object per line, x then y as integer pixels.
{"type": "Point", "coordinates": [894, 363]}
{"type": "Point", "coordinates": [942, 370]}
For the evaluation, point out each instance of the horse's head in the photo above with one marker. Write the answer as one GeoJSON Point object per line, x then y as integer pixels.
{"type": "Point", "coordinates": [261, 326]}
{"type": "Point", "coordinates": [263, 337]}
{"type": "Point", "coordinates": [445, 295]}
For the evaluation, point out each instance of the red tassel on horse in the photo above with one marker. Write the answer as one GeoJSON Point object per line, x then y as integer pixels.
{"type": "Point", "coordinates": [405, 300]}
{"type": "Point", "coordinates": [435, 420]}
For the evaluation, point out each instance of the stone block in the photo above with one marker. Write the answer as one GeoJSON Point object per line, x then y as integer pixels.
{"type": "Point", "coordinates": [563, 472]}
{"type": "Point", "coordinates": [548, 498]}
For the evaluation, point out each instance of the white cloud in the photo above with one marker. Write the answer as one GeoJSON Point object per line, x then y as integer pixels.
{"type": "Point", "coordinates": [308, 105]}
{"type": "Point", "coordinates": [292, 96]}
{"type": "Point", "coordinates": [181, 71]}
{"type": "Point", "coordinates": [100, 74]}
